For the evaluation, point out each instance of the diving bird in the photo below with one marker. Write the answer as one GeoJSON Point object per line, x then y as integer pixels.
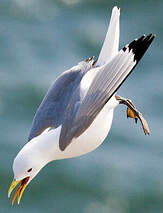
{"type": "Point", "coordinates": [76, 114]}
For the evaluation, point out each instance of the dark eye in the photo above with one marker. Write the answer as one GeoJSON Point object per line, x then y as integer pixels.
{"type": "Point", "coordinates": [29, 170]}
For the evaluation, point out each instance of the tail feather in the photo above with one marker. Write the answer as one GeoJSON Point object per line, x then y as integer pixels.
{"type": "Point", "coordinates": [111, 43]}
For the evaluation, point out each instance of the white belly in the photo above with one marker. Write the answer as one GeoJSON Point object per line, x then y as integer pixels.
{"type": "Point", "coordinates": [48, 143]}
{"type": "Point", "coordinates": [94, 135]}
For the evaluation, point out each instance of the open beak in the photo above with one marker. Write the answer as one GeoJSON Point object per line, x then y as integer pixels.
{"type": "Point", "coordinates": [20, 190]}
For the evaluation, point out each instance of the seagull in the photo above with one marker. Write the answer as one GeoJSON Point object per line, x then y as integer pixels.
{"type": "Point", "coordinates": [76, 114]}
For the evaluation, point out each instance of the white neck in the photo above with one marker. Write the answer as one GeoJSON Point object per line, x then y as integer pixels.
{"type": "Point", "coordinates": [46, 145]}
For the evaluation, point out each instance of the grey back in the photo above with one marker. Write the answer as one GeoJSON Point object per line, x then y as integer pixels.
{"type": "Point", "coordinates": [51, 111]}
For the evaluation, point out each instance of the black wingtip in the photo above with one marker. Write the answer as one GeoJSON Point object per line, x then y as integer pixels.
{"type": "Point", "coordinates": [62, 148]}
{"type": "Point", "coordinates": [140, 46]}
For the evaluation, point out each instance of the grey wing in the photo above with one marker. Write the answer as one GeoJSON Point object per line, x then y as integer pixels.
{"type": "Point", "coordinates": [51, 111]}
{"type": "Point", "coordinates": [80, 113]}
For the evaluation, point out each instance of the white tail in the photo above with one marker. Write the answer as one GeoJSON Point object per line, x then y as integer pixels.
{"type": "Point", "coordinates": [111, 44]}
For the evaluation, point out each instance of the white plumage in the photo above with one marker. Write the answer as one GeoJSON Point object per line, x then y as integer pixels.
{"type": "Point", "coordinates": [86, 118]}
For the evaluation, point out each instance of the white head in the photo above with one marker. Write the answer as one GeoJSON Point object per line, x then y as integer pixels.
{"type": "Point", "coordinates": [32, 158]}
{"type": "Point", "coordinates": [28, 162]}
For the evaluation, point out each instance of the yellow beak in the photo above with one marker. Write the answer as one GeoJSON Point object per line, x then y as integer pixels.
{"type": "Point", "coordinates": [20, 190]}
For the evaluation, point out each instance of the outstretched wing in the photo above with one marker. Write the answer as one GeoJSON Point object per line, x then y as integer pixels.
{"type": "Point", "coordinates": [51, 111]}
{"type": "Point", "coordinates": [81, 112]}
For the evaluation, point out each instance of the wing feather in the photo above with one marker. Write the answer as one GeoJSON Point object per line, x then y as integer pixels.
{"type": "Point", "coordinates": [109, 78]}
{"type": "Point", "coordinates": [51, 111]}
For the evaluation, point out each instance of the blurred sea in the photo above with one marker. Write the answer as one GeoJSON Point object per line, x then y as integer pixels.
{"type": "Point", "coordinates": [39, 40]}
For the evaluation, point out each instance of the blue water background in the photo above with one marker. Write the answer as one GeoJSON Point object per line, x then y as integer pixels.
{"type": "Point", "coordinates": [39, 40]}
